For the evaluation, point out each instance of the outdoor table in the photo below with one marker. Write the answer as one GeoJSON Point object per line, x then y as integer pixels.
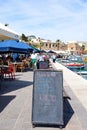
{"type": "Point", "coordinates": [3, 67]}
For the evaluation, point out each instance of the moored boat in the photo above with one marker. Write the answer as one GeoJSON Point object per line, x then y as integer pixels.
{"type": "Point", "coordinates": [84, 72]}
{"type": "Point", "coordinates": [75, 65]}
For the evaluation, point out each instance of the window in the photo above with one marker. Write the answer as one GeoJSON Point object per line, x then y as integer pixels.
{"type": "Point", "coordinates": [71, 48]}
{"type": "Point", "coordinates": [46, 44]}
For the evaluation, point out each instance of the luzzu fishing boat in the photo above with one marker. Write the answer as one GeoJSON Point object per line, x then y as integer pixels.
{"type": "Point", "coordinates": [76, 62]}
{"type": "Point", "coordinates": [75, 65]}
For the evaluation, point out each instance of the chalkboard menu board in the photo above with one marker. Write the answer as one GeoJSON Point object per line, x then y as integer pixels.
{"type": "Point", "coordinates": [47, 105]}
{"type": "Point", "coordinates": [43, 65]}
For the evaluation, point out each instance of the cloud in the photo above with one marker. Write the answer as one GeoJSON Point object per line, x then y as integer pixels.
{"type": "Point", "coordinates": [51, 19]}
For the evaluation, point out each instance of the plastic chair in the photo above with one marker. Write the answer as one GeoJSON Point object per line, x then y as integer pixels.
{"type": "Point", "coordinates": [10, 71]}
{"type": "Point", "coordinates": [20, 67]}
{"type": "Point", "coordinates": [1, 74]}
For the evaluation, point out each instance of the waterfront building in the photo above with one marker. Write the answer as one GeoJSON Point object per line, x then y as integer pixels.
{"type": "Point", "coordinates": [72, 47]}
{"type": "Point", "coordinates": [6, 33]}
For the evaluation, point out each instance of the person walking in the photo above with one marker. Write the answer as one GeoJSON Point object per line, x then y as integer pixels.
{"type": "Point", "coordinates": [54, 57]}
{"type": "Point", "coordinates": [39, 59]}
{"type": "Point", "coordinates": [33, 60]}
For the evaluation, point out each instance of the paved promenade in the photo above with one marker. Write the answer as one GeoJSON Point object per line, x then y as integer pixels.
{"type": "Point", "coordinates": [16, 102]}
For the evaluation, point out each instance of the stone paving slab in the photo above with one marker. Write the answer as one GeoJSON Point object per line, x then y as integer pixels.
{"type": "Point", "coordinates": [16, 106]}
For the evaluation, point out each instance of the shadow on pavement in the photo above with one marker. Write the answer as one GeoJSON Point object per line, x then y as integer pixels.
{"type": "Point", "coordinates": [5, 100]}
{"type": "Point", "coordinates": [67, 115]}
{"type": "Point", "coordinates": [8, 86]}
{"type": "Point", "coordinates": [67, 111]}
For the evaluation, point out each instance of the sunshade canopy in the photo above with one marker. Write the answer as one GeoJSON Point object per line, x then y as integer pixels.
{"type": "Point", "coordinates": [51, 51]}
{"type": "Point", "coordinates": [14, 46]}
{"type": "Point", "coordinates": [35, 49]}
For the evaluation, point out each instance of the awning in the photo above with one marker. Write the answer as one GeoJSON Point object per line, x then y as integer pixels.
{"type": "Point", "coordinates": [14, 46]}
{"type": "Point", "coordinates": [6, 33]}
{"type": "Point", "coordinates": [35, 49]}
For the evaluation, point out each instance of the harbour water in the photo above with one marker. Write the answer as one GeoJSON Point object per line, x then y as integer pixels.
{"type": "Point", "coordinates": [82, 71]}
{"type": "Point", "coordinates": [84, 76]}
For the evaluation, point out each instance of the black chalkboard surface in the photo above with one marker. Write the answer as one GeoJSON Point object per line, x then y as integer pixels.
{"type": "Point", "coordinates": [47, 105]}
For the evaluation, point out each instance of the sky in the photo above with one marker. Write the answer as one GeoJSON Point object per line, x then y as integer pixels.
{"type": "Point", "coordinates": [48, 19]}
